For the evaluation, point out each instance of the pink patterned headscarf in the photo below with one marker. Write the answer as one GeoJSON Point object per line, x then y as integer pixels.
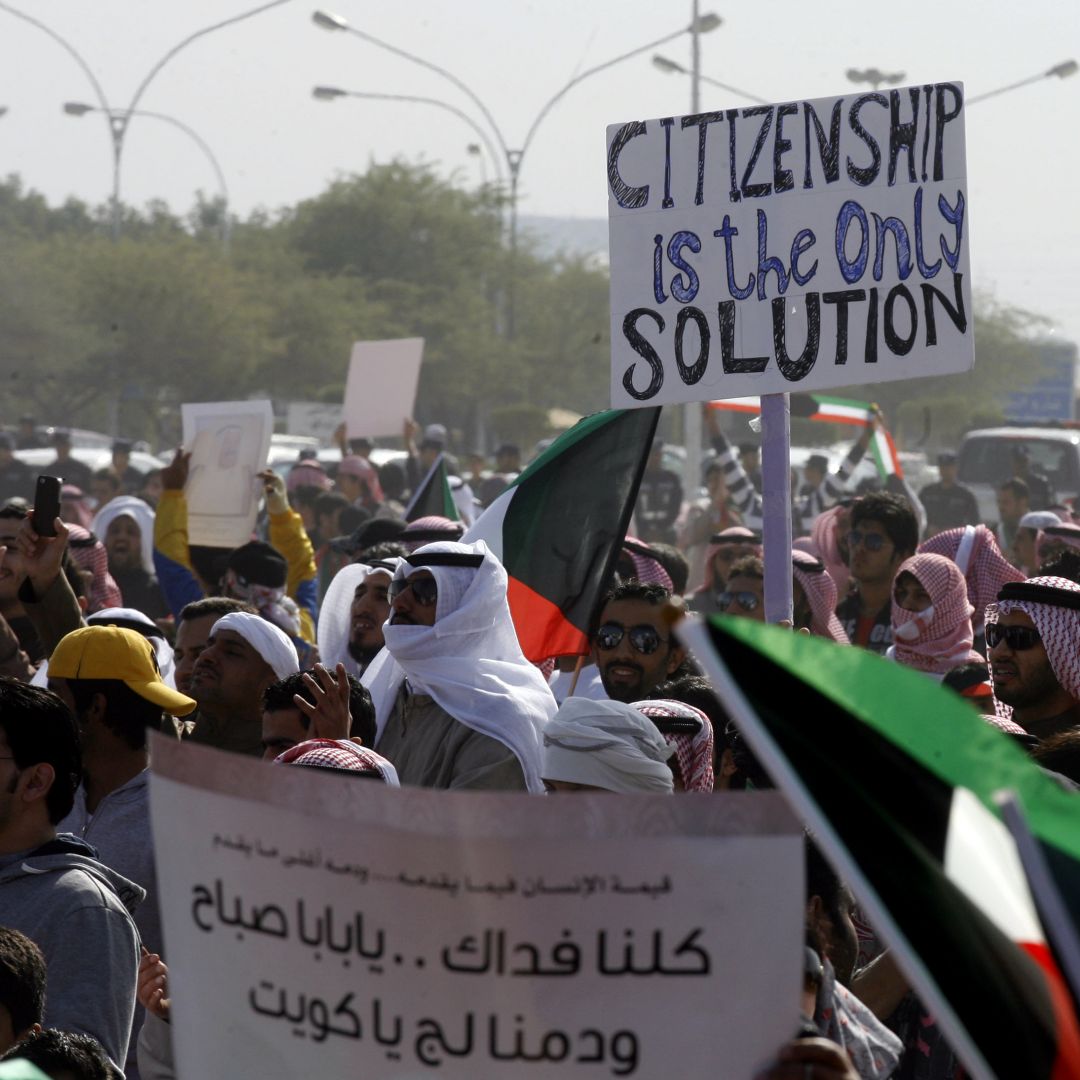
{"type": "Point", "coordinates": [939, 638]}
{"type": "Point", "coordinates": [1066, 535]}
{"type": "Point", "coordinates": [736, 535]}
{"type": "Point", "coordinates": [975, 550]}
{"type": "Point", "coordinates": [825, 532]}
{"type": "Point", "coordinates": [647, 569]}
{"type": "Point", "coordinates": [342, 755]}
{"type": "Point", "coordinates": [428, 530]}
{"type": "Point", "coordinates": [1053, 605]}
{"type": "Point", "coordinates": [820, 590]}
{"type": "Point", "coordinates": [693, 753]}
{"type": "Point", "coordinates": [89, 552]}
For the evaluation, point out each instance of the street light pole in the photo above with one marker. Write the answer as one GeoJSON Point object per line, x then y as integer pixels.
{"type": "Point", "coordinates": [1060, 71]}
{"type": "Point", "coordinates": [119, 119]}
{"type": "Point", "coordinates": [692, 410]}
{"type": "Point", "coordinates": [76, 108]}
{"type": "Point", "coordinates": [514, 158]}
{"type": "Point", "coordinates": [330, 93]}
{"type": "Point", "coordinates": [666, 64]}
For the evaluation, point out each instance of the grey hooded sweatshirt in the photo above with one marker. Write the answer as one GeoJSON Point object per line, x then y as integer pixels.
{"type": "Point", "coordinates": [79, 913]}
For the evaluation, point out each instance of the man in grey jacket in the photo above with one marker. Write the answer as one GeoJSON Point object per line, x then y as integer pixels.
{"type": "Point", "coordinates": [75, 909]}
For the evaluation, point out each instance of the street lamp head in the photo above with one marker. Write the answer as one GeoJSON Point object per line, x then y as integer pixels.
{"type": "Point", "coordinates": [329, 21]}
{"type": "Point", "coordinates": [328, 93]}
{"type": "Point", "coordinates": [666, 65]}
{"type": "Point", "coordinates": [1064, 69]}
{"type": "Point", "coordinates": [77, 108]}
{"type": "Point", "coordinates": [875, 77]}
{"type": "Point", "coordinates": [704, 23]}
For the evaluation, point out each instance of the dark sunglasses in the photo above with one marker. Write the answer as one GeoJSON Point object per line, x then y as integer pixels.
{"type": "Point", "coordinates": [746, 600]}
{"type": "Point", "coordinates": [730, 554]}
{"type": "Point", "coordinates": [424, 589]}
{"type": "Point", "coordinates": [1018, 638]}
{"type": "Point", "coordinates": [870, 541]}
{"type": "Point", "coordinates": [643, 638]}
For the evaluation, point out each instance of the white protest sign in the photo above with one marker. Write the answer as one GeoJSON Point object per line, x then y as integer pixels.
{"type": "Point", "coordinates": [380, 391]}
{"type": "Point", "coordinates": [314, 418]}
{"type": "Point", "coordinates": [799, 246]}
{"type": "Point", "coordinates": [324, 925]}
{"type": "Point", "coordinates": [229, 442]}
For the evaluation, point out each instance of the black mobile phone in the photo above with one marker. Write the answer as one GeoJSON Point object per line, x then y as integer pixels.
{"type": "Point", "coordinates": [46, 504]}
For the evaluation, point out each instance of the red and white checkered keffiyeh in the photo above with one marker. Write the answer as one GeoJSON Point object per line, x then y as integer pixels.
{"type": "Point", "coordinates": [89, 552]}
{"type": "Point", "coordinates": [1063, 536]}
{"type": "Point", "coordinates": [341, 754]}
{"type": "Point", "coordinates": [825, 532]}
{"type": "Point", "coordinates": [820, 590]}
{"type": "Point", "coordinates": [694, 753]}
{"type": "Point", "coordinates": [735, 535]}
{"type": "Point", "coordinates": [939, 638]}
{"type": "Point", "coordinates": [975, 550]}
{"type": "Point", "coordinates": [1059, 628]}
{"type": "Point", "coordinates": [647, 569]}
{"type": "Point", "coordinates": [427, 530]}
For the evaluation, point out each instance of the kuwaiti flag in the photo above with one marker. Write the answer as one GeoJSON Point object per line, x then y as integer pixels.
{"type": "Point", "coordinates": [558, 527]}
{"type": "Point", "coordinates": [433, 498]}
{"type": "Point", "coordinates": [832, 410]}
{"type": "Point", "coordinates": [896, 777]}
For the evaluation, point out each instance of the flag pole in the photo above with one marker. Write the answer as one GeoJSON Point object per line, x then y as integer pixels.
{"type": "Point", "coordinates": [693, 632]}
{"type": "Point", "coordinates": [577, 675]}
{"type": "Point", "coordinates": [776, 499]}
{"type": "Point", "coordinates": [1051, 907]}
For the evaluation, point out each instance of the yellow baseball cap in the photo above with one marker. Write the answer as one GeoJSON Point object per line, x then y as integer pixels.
{"type": "Point", "coordinates": [112, 652]}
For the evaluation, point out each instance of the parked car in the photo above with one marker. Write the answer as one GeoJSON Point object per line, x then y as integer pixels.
{"type": "Point", "coordinates": [986, 461]}
{"type": "Point", "coordinates": [99, 457]}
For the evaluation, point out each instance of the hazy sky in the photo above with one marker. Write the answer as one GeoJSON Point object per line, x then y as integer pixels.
{"type": "Point", "coordinates": [247, 91]}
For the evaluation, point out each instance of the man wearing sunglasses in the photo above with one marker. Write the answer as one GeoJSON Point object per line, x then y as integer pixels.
{"type": "Point", "coordinates": [457, 705]}
{"type": "Point", "coordinates": [1033, 645]}
{"type": "Point", "coordinates": [632, 645]}
{"type": "Point", "coordinates": [884, 532]}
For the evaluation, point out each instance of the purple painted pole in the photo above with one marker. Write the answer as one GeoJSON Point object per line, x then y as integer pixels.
{"type": "Point", "coordinates": [776, 496]}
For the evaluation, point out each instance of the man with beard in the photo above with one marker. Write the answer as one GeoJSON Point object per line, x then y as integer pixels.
{"type": "Point", "coordinates": [353, 612]}
{"type": "Point", "coordinates": [193, 629]}
{"type": "Point", "coordinates": [456, 703]}
{"type": "Point", "coordinates": [245, 654]}
{"type": "Point", "coordinates": [633, 645]}
{"type": "Point", "coordinates": [1033, 645]}
{"type": "Point", "coordinates": [126, 526]}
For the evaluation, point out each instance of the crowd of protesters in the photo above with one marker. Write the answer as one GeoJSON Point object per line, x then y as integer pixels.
{"type": "Point", "coordinates": [344, 636]}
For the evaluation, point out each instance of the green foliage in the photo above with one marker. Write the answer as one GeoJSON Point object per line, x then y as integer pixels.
{"type": "Point", "coordinates": [166, 314]}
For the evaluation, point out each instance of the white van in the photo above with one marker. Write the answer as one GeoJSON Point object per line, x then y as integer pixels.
{"type": "Point", "coordinates": [986, 461]}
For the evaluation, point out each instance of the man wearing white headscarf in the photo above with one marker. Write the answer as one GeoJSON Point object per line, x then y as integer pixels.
{"type": "Point", "coordinates": [457, 705]}
{"type": "Point", "coordinates": [352, 614]}
{"type": "Point", "coordinates": [245, 654]}
{"type": "Point", "coordinates": [605, 746]}
{"type": "Point", "coordinates": [1033, 646]}
{"type": "Point", "coordinates": [126, 527]}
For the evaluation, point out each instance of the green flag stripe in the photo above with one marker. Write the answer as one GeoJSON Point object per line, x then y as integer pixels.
{"type": "Point", "coordinates": [936, 727]}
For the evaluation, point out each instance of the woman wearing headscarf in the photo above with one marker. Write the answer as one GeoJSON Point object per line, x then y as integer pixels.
{"type": "Point", "coordinates": [974, 549]}
{"type": "Point", "coordinates": [931, 616]}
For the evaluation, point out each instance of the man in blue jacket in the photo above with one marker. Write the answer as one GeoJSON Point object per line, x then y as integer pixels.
{"type": "Point", "coordinates": [76, 910]}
